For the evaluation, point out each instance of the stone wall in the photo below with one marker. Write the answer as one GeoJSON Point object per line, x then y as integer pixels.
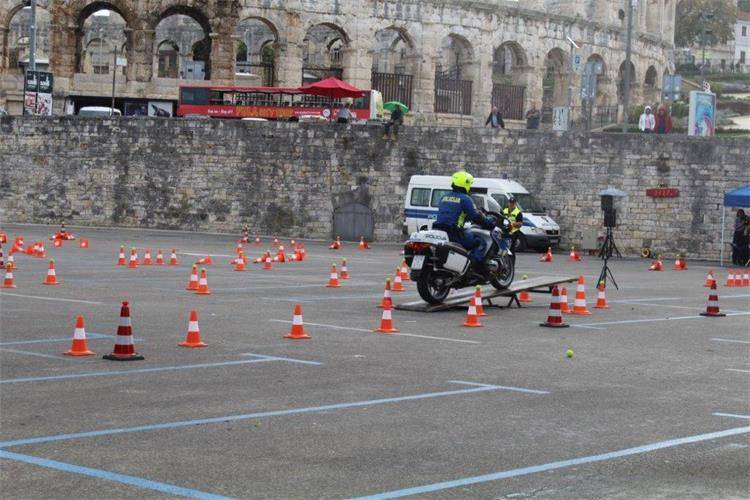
{"type": "Point", "coordinates": [286, 179]}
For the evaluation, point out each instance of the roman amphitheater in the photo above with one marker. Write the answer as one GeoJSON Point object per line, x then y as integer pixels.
{"type": "Point", "coordinates": [479, 52]}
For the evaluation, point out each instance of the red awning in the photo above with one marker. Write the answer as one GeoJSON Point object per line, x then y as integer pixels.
{"type": "Point", "coordinates": [332, 87]}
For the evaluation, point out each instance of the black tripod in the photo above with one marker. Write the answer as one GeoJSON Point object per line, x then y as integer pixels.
{"type": "Point", "coordinates": [609, 248]}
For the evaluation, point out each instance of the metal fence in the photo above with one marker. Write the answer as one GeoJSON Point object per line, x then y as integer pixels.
{"type": "Point", "coordinates": [393, 86]}
{"type": "Point", "coordinates": [264, 71]}
{"type": "Point", "coordinates": [452, 95]}
{"type": "Point", "coordinates": [509, 100]}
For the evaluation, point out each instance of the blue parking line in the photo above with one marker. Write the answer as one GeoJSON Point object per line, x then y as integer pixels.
{"type": "Point", "coordinates": [128, 372]}
{"type": "Point", "coordinates": [247, 416]}
{"type": "Point", "coordinates": [524, 471]}
{"type": "Point", "coordinates": [89, 336]}
{"type": "Point", "coordinates": [111, 476]}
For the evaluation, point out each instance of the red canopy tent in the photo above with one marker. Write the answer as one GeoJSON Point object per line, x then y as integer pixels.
{"type": "Point", "coordinates": [332, 88]}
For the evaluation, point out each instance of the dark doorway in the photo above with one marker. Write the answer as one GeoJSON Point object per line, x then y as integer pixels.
{"type": "Point", "coordinates": [353, 221]}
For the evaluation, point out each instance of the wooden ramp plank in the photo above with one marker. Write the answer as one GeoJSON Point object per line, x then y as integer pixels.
{"type": "Point", "coordinates": [540, 284]}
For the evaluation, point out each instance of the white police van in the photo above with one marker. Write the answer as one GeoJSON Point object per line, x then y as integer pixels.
{"type": "Point", "coordinates": [423, 197]}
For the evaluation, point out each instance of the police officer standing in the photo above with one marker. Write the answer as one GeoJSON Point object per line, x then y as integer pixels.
{"type": "Point", "coordinates": [515, 217]}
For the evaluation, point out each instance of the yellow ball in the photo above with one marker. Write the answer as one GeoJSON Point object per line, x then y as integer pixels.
{"type": "Point", "coordinates": [569, 353]}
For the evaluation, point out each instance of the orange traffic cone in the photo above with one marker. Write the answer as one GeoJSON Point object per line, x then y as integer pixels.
{"type": "Point", "coordinates": [472, 320]}
{"type": "Point", "coordinates": [11, 263]}
{"type": "Point", "coordinates": [193, 283]}
{"type": "Point", "coordinates": [83, 243]}
{"type": "Point", "coordinates": [574, 256]}
{"type": "Point", "coordinates": [333, 281]}
{"type": "Point", "coordinates": [239, 263]}
{"type": "Point", "coordinates": [147, 257]}
{"type": "Point", "coordinates": [159, 257]}
{"type": "Point", "coordinates": [8, 282]}
{"type": "Point", "coordinates": [193, 338]}
{"type": "Point", "coordinates": [336, 245]}
{"type": "Point", "coordinates": [478, 302]}
{"type": "Point", "coordinates": [524, 296]}
{"type": "Point", "coordinates": [124, 347]}
{"type": "Point", "coordinates": [344, 270]}
{"type": "Point", "coordinates": [398, 285]}
{"type": "Point", "coordinates": [40, 252]}
{"type": "Point", "coordinates": [657, 265]}
{"type": "Point", "coordinates": [579, 304]}
{"type": "Point", "coordinates": [387, 302]}
{"type": "Point", "coordinates": [51, 276]}
{"type": "Point", "coordinates": [363, 244]}
{"type": "Point", "coordinates": [302, 254]}
{"type": "Point", "coordinates": [204, 261]}
{"type": "Point", "coordinates": [745, 278]}
{"type": "Point", "coordinates": [298, 328]}
{"type": "Point", "coordinates": [281, 254]}
{"type": "Point", "coordinates": [554, 317]}
{"type": "Point", "coordinates": [57, 243]}
{"type": "Point", "coordinates": [133, 262]}
{"type": "Point", "coordinates": [386, 323]}
{"type": "Point", "coordinates": [203, 284]}
{"type": "Point", "coordinates": [709, 279]}
{"type": "Point", "coordinates": [258, 242]}
{"type": "Point", "coordinates": [679, 264]}
{"type": "Point", "coordinates": [267, 262]}
{"type": "Point", "coordinates": [121, 257]}
{"type": "Point", "coordinates": [276, 242]}
{"type": "Point", "coordinates": [31, 250]}
{"type": "Point", "coordinates": [564, 307]}
{"type": "Point", "coordinates": [173, 258]}
{"type": "Point", "coordinates": [547, 257]}
{"type": "Point", "coordinates": [404, 271]}
{"type": "Point", "coordinates": [601, 298]}
{"type": "Point", "coordinates": [239, 248]}
{"type": "Point", "coordinates": [731, 283]}
{"type": "Point", "coordinates": [79, 346]}
{"type": "Point", "coordinates": [712, 306]}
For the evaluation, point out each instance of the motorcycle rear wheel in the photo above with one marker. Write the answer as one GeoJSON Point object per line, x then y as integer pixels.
{"type": "Point", "coordinates": [429, 290]}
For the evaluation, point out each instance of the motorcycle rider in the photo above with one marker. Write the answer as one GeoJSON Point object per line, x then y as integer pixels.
{"type": "Point", "coordinates": [455, 209]}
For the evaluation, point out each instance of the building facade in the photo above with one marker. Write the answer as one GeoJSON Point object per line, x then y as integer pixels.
{"type": "Point", "coordinates": [742, 41]}
{"type": "Point", "coordinates": [450, 61]}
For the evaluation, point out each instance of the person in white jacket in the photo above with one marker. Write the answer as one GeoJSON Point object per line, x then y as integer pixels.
{"type": "Point", "coordinates": [647, 122]}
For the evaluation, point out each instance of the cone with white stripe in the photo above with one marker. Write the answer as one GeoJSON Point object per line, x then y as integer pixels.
{"type": "Point", "coordinates": [398, 285]}
{"type": "Point", "coordinates": [11, 263]}
{"type": "Point", "coordinates": [51, 278]}
{"type": "Point", "coordinates": [193, 283]}
{"type": "Point", "coordinates": [344, 270]}
{"type": "Point", "coordinates": [147, 258]}
{"type": "Point", "coordinates": [79, 346]}
{"type": "Point", "coordinates": [731, 280]}
{"type": "Point", "coordinates": [547, 257]}
{"type": "Point", "coordinates": [564, 307]}
{"type": "Point", "coordinates": [386, 323]}
{"type": "Point", "coordinates": [298, 328]}
{"type": "Point", "coordinates": [121, 256]}
{"type": "Point", "coordinates": [745, 278]}
{"type": "Point", "coordinates": [8, 282]}
{"type": "Point", "coordinates": [601, 298]}
{"type": "Point", "coordinates": [124, 346]}
{"type": "Point", "coordinates": [554, 317]}
{"type": "Point", "coordinates": [159, 257]}
{"type": "Point", "coordinates": [173, 258]}
{"type": "Point", "coordinates": [709, 279]}
{"type": "Point", "coordinates": [404, 271]}
{"type": "Point", "coordinates": [478, 301]}
{"type": "Point", "coordinates": [333, 280]}
{"type": "Point", "coordinates": [387, 302]}
{"type": "Point", "coordinates": [472, 320]}
{"type": "Point", "coordinates": [712, 306]}
{"type": "Point", "coordinates": [524, 296]}
{"type": "Point", "coordinates": [133, 262]}
{"type": "Point", "coordinates": [267, 266]}
{"type": "Point", "coordinates": [193, 338]}
{"type": "Point", "coordinates": [579, 304]}
{"type": "Point", "coordinates": [203, 284]}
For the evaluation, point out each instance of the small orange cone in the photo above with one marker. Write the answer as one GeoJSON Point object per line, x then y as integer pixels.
{"type": "Point", "coordinates": [398, 285]}
{"type": "Point", "coordinates": [124, 346]}
{"type": "Point", "coordinates": [745, 278]}
{"type": "Point", "coordinates": [363, 244]}
{"type": "Point", "coordinates": [731, 281]}
{"type": "Point", "coordinates": [83, 243]}
{"type": "Point", "coordinates": [40, 251]}
{"type": "Point", "coordinates": [579, 304]}
{"type": "Point", "coordinates": [51, 275]}
{"type": "Point", "coordinates": [564, 307]}
{"type": "Point", "coordinates": [712, 306]}
{"type": "Point", "coordinates": [404, 271]}
{"type": "Point", "coordinates": [11, 263]}
{"type": "Point", "coordinates": [554, 317]}
{"type": "Point", "coordinates": [79, 346]}
{"type": "Point", "coordinates": [333, 280]}
{"type": "Point", "coordinates": [173, 258]}
{"type": "Point", "coordinates": [193, 338]}
{"type": "Point", "coordinates": [281, 254]}
{"type": "Point", "coordinates": [133, 262]}
{"type": "Point", "coordinates": [387, 302]}
{"type": "Point", "coordinates": [679, 264]}
{"type": "Point", "coordinates": [8, 282]}
{"type": "Point", "coordinates": [239, 263]}
{"type": "Point", "coordinates": [298, 328]}
{"type": "Point", "coordinates": [204, 261]}
{"type": "Point", "coordinates": [147, 257]}
{"type": "Point", "coordinates": [203, 284]}
{"type": "Point", "coordinates": [57, 243]}
{"type": "Point", "coordinates": [386, 323]}
{"type": "Point", "coordinates": [258, 242]}
{"type": "Point", "coordinates": [524, 296]}
{"type": "Point", "coordinates": [344, 270]}
{"type": "Point", "coordinates": [601, 298]}
{"type": "Point", "coordinates": [193, 283]}
{"type": "Point", "coordinates": [478, 302]}
{"type": "Point", "coordinates": [32, 249]}
{"type": "Point", "coordinates": [121, 257]}
{"type": "Point", "coordinates": [267, 262]}
{"type": "Point", "coordinates": [336, 245]}
{"type": "Point", "coordinates": [276, 242]}
{"type": "Point", "coordinates": [159, 257]}
{"type": "Point", "coordinates": [472, 320]}
{"type": "Point", "coordinates": [574, 256]}
{"type": "Point", "coordinates": [239, 248]}
{"type": "Point", "coordinates": [709, 279]}
{"type": "Point", "coordinates": [657, 265]}
{"type": "Point", "coordinates": [547, 257]}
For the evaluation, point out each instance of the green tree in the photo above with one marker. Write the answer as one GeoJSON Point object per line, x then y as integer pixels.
{"type": "Point", "coordinates": [744, 5]}
{"type": "Point", "coordinates": [692, 17]}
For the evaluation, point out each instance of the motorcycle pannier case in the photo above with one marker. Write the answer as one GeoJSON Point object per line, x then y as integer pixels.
{"type": "Point", "coordinates": [452, 257]}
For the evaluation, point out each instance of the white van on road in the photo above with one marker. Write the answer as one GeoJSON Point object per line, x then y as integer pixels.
{"type": "Point", "coordinates": [423, 197]}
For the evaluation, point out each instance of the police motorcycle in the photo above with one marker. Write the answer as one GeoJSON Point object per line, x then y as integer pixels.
{"type": "Point", "coordinates": [439, 265]}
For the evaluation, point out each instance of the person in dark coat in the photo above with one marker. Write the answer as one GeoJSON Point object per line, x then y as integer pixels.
{"type": "Point", "coordinates": [495, 120]}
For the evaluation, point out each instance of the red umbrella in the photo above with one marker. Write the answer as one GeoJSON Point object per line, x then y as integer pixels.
{"type": "Point", "coordinates": [333, 88]}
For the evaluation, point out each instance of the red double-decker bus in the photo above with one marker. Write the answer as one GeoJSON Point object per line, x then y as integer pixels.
{"type": "Point", "coordinates": [270, 103]}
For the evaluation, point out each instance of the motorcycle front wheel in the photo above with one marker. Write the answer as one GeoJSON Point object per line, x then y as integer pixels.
{"type": "Point", "coordinates": [505, 275]}
{"type": "Point", "coordinates": [430, 289]}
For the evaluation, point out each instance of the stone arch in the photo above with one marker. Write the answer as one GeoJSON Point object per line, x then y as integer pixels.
{"type": "Point", "coordinates": [189, 29]}
{"type": "Point", "coordinates": [168, 65]}
{"type": "Point", "coordinates": [555, 80]}
{"type": "Point", "coordinates": [651, 85]}
{"type": "Point", "coordinates": [455, 69]}
{"type": "Point", "coordinates": [395, 63]}
{"type": "Point", "coordinates": [602, 80]}
{"type": "Point", "coordinates": [109, 31]}
{"type": "Point", "coordinates": [322, 51]}
{"type": "Point", "coordinates": [14, 30]}
{"type": "Point", "coordinates": [86, 12]}
{"type": "Point", "coordinates": [621, 81]}
{"type": "Point", "coordinates": [510, 77]}
{"type": "Point", "coordinates": [260, 38]}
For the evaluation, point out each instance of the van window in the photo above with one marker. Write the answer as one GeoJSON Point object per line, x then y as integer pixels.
{"type": "Point", "coordinates": [501, 199]}
{"type": "Point", "coordinates": [478, 201]}
{"type": "Point", "coordinates": [420, 197]}
{"type": "Point", "coordinates": [437, 195]}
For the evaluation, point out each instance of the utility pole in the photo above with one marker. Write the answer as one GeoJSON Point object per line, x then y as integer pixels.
{"type": "Point", "coordinates": [626, 82]}
{"type": "Point", "coordinates": [32, 37]}
{"type": "Point", "coordinates": [114, 75]}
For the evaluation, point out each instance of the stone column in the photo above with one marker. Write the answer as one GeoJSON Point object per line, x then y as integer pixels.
{"type": "Point", "coordinates": [357, 62]}
{"type": "Point", "coordinates": [222, 58]}
{"type": "Point", "coordinates": [64, 45]}
{"type": "Point", "coordinates": [3, 47]}
{"type": "Point", "coordinates": [289, 64]}
{"type": "Point", "coordinates": [526, 77]}
{"type": "Point", "coordinates": [140, 54]}
{"type": "Point", "coordinates": [424, 88]}
{"type": "Point", "coordinates": [481, 90]}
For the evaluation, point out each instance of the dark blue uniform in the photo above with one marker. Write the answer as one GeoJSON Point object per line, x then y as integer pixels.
{"type": "Point", "coordinates": [455, 209]}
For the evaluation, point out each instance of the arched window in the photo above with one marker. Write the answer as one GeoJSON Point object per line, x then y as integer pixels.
{"type": "Point", "coordinates": [168, 65]}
